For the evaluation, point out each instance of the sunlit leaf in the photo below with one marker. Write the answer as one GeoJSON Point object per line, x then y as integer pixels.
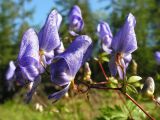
{"type": "Point", "coordinates": [105, 59]}
{"type": "Point", "coordinates": [133, 79]}
{"type": "Point", "coordinates": [113, 80]}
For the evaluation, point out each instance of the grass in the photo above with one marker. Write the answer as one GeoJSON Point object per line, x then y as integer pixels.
{"type": "Point", "coordinates": [73, 108]}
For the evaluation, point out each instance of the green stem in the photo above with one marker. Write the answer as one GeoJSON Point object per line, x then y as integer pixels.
{"type": "Point", "coordinates": [103, 71]}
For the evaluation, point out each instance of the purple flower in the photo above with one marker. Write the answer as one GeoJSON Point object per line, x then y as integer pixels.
{"type": "Point", "coordinates": [28, 67]}
{"type": "Point", "coordinates": [123, 44]}
{"type": "Point", "coordinates": [75, 20]}
{"type": "Point", "coordinates": [10, 71]}
{"type": "Point", "coordinates": [67, 64]}
{"type": "Point", "coordinates": [157, 57]}
{"type": "Point", "coordinates": [28, 62]}
{"type": "Point", "coordinates": [105, 35]}
{"type": "Point", "coordinates": [49, 37]}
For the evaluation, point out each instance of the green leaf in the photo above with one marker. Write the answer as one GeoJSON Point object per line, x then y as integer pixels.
{"type": "Point", "coordinates": [137, 84]}
{"type": "Point", "coordinates": [134, 79]}
{"type": "Point", "coordinates": [105, 59]}
{"type": "Point", "coordinates": [131, 88]}
{"type": "Point", "coordinates": [103, 54]}
{"type": "Point", "coordinates": [113, 82]}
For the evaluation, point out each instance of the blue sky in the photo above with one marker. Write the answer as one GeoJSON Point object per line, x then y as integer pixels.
{"type": "Point", "coordinates": [42, 8]}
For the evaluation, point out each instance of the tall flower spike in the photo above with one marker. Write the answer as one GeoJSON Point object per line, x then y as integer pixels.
{"type": "Point", "coordinates": [123, 44]}
{"type": "Point", "coordinates": [75, 20]}
{"type": "Point", "coordinates": [105, 35]}
{"type": "Point", "coordinates": [49, 37]}
{"type": "Point", "coordinates": [10, 71]}
{"type": "Point", "coordinates": [67, 64]}
{"type": "Point", "coordinates": [28, 57]}
{"type": "Point", "coordinates": [157, 57]}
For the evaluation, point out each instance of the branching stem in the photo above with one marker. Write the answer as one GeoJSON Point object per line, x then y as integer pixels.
{"type": "Point", "coordinates": [103, 71]}
{"type": "Point", "coordinates": [121, 89]}
{"type": "Point", "coordinates": [135, 102]}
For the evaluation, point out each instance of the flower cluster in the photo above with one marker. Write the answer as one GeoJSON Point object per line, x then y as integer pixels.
{"type": "Point", "coordinates": [42, 49]}
{"type": "Point", "coordinates": [39, 50]}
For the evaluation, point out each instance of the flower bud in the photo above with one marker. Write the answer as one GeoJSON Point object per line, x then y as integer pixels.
{"type": "Point", "coordinates": [87, 72]}
{"type": "Point", "coordinates": [148, 87]}
{"type": "Point", "coordinates": [134, 67]}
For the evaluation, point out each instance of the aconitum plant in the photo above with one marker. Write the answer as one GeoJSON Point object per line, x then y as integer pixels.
{"type": "Point", "coordinates": [42, 50]}
{"type": "Point", "coordinates": [66, 65]}
{"type": "Point", "coordinates": [123, 44]}
{"type": "Point", "coordinates": [76, 23]}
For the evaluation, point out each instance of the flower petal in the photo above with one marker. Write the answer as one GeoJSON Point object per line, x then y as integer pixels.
{"type": "Point", "coordinates": [48, 35]}
{"type": "Point", "coordinates": [60, 72]}
{"type": "Point", "coordinates": [127, 58]}
{"type": "Point", "coordinates": [49, 57]}
{"type": "Point", "coordinates": [30, 72]}
{"type": "Point", "coordinates": [112, 66]}
{"type": "Point", "coordinates": [59, 20]}
{"type": "Point", "coordinates": [106, 49]}
{"type": "Point", "coordinates": [59, 49]}
{"type": "Point", "coordinates": [33, 88]}
{"type": "Point", "coordinates": [20, 77]}
{"type": "Point", "coordinates": [29, 45]}
{"type": "Point", "coordinates": [59, 94]}
{"type": "Point", "coordinates": [10, 71]}
{"type": "Point", "coordinates": [105, 35]}
{"type": "Point", "coordinates": [125, 39]}
{"type": "Point", "coordinates": [104, 30]}
{"type": "Point", "coordinates": [122, 71]}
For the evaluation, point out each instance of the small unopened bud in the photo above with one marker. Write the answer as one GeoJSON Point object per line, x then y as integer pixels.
{"type": "Point", "coordinates": [158, 101]}
{"type": "Point", "coordinates": [87, 72]}
{"type": "Point", "coordinates": [148, 87]}
{"type": "Point", "coordinates": [134, 67]}
{"type": "Point", "coordinates": [87, 68]}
